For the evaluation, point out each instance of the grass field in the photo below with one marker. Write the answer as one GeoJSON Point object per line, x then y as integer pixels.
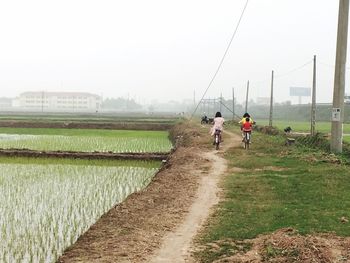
{"type": "Point", "coordinates": [278, 187]}
{"type": "Point", "coordinates": [85, 132]}
{"type": "Point", "coordinates": [299, 126]}
{"type": "Point", "coordinates": [84, 140]}
{"type": "Point", "coordinates": [101, 117]}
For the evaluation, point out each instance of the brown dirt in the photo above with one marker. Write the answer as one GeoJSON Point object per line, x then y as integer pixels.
{"type": "Point", "coordinates": [83, 155]}
{"type": "Point", "coordinates": [176, 245]}
{"type": "Point", "coordinates": [287, 246]}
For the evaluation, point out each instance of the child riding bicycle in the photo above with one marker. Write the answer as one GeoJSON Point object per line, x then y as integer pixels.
{"type": "Point", "coordinates": [246, 118]}
{"type": "Point", "coordinates": [218, 125]}
{"type": "Point", "coordinates": [247, 128]}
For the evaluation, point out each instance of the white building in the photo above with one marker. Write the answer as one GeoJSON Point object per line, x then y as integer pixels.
{"type": "Point", "coordinates": [60, 101]}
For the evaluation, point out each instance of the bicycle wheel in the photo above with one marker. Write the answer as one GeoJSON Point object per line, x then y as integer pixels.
{"type": "Point", "coordinates": [246, 141]}
{"type": "Point", "coordinates": [217, 141]}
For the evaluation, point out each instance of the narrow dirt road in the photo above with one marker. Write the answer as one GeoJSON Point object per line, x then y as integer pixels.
{"type": "Point", "coordinates": [177, 201]}
{"type": "Point", "coordinates": [176, 246]}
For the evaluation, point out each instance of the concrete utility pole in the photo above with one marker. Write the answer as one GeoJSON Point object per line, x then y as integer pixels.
{"type": "Point", "coordinates": [194, 97]}
{"type": "Point", "coordinates": [246, 98]}
{"type": "Point", "coordinates": [221, 103]}
{"type": "Point", "coordinates": [208, 108]}
{"type": "Point", "coordinates": [42, 101]}
{"type": "Point", "coordinates": [271, 100]}
{"type": "Point", "coordinates": [233, 103]}
{"type": "Point", "coordinates": [313, 105]}
{"type": "Point", "coordinates": [339, 78]}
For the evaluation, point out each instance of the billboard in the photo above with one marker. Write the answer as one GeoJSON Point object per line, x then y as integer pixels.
{"type": "Point", "coordinates": [300, 92]}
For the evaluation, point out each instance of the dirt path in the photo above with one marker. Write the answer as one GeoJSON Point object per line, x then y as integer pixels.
{"type": "Point", "coordinates": [176, 246]}
{"type": "Point", "coordinates": [178, 201]}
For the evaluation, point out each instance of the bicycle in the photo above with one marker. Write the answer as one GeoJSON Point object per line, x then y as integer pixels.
{"type": "Point", "coordinates": [246, 139]}
{"type": "Point", "coordinates": [217, 138]}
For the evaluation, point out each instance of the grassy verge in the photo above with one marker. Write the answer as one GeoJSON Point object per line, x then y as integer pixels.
{"type": "Point", "coordinates": [277, 187]}
{"type": "Point", "coordinates": [303, 126]}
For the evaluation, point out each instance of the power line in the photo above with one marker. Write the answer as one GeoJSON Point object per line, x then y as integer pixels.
{"type": "Point", "coordinates": [284, 74]}
{"type": "Point", "coordinates": [294, 70]}
{"type": "Point", "coordinates": [223, 104]}
{"type": "Point", "coordinates": [223, 58]}
{"type": "Point", "coordinates": [330, 66]}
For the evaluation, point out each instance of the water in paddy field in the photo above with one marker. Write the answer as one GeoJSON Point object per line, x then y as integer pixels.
{"type": "Point", "coordinates": [45, 208]}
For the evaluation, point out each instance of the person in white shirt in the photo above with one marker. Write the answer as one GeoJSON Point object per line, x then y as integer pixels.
{"type": "Point", "coordinates": [218, 124]}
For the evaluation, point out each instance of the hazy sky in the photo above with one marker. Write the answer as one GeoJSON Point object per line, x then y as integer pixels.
{"type": "Point", "coordinates": [164, 50]}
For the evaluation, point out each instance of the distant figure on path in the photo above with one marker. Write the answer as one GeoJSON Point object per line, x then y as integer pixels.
{"type": "Point", "coordinates": [218, 124]}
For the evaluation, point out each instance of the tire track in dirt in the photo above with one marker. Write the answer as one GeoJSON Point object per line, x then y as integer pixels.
{"type": "Point", "coordinates": [176, 246]}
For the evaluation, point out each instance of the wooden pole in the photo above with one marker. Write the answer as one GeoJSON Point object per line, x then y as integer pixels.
{"type": "Point", "coordinates": [221, 103]}
{"type": "Point", "coordinates": [233, 103]}
{"type": "Point", "coordinates": [271, 100]}
{"type": "Point", "coordinates": [339, 78]}
{"type": "Point", "coordinates": [246, 98]}
{"type": "Point", "coordinates": [313, 105]}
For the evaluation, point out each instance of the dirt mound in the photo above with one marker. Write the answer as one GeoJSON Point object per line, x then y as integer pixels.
{"type": "Point", "coordinates": [284, 246]}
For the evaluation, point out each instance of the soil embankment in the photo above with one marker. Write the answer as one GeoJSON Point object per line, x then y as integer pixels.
{"type": "Point", "coordinates": [133, 230]}
{"type": "Point", "coordinates": [83, 155]}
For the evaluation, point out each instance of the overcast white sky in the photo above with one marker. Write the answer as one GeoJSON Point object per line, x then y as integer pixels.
{"type": "Point", "coordinates": [164, 50]}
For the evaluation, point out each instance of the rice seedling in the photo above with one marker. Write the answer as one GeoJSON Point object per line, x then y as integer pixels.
{"type": "Point", "coordinates": [85, 143]}
{"type": "Point", "coordinates": [45, 207]}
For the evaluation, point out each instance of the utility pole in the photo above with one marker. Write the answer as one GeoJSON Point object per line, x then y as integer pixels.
{"type": "Point", "coordinates": [233, 103]}
{"type": "Point", "coordinates": [194, 97]}
{"type": "Point", "coordinates": [339, 78]}
{"type": "Point", "coordinates": [221, 103]}
{"type": "Point", "coordinates": [271, 100]}
{"type": "Point", "coordinates": [42, 101]}
{"type": "Point", "coordinates": [208, 107]}
{"type": "Point", "coordinates": [246, 98]}
{"type": "Point", "coordinates": [313, 105]}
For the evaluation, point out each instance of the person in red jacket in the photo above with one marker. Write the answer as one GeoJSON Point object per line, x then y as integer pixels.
{"type": "Point", "coordinates": [247, 128]}
{"type": "Point", "coordinates": [247, 125]}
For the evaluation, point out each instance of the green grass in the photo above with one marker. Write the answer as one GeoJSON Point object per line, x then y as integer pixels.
{"type": "Point", "coordinates": [100, 117]}
{"type": "Point", "coordinates": [300, 126]}
{"type": "Point", "coordinates": [279, 187]}
{"type": "Point", "coordinates": [346, 139]}
{"type": "Point", "coordinates": [84, 140]}
{"type": "Point", "coordinates": [85, 132]}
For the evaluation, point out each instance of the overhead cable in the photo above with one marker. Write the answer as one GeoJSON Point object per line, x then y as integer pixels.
{"type": "Point", "coordinates": [222, 59]}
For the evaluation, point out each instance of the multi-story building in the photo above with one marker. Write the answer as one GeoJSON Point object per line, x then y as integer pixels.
{"type": "Point", "coordinates": [60, 101]}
